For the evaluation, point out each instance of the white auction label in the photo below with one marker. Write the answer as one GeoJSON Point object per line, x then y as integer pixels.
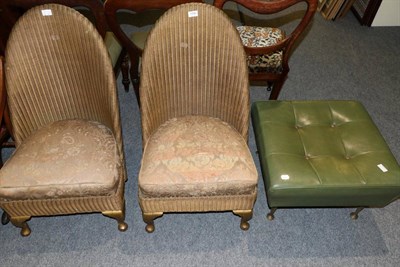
{"type": "Point", "coordinates": [383, 168]}
{"type": "Point", "coordinates": [193, 13]}
{"type": "Point", "coordinates": [46, 12]}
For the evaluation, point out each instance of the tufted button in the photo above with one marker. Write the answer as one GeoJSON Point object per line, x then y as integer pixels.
{"type": "Point", "coordinates": [333, 125]}
{"type": "Point", "coordinates": [347, 157]}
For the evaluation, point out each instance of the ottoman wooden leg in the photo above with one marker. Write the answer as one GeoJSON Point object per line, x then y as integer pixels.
{"type": "Point", "coordinates": [270, 215]}
{"type": "Point", "coordinates": [354, 214]}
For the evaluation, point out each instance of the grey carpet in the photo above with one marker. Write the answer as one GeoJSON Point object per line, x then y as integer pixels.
{"type": "Point", "coordinates": [336, 60]}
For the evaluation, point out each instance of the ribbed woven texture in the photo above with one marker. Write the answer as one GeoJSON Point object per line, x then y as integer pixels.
{"type": "Point", "coordinates": [57, 67]}
{"type": "Point", "coordinates": [198, 204]}
{"type": "Point", "coordinates": [194, 66]}
{"type": "Point", "coordinates": [48, 207]}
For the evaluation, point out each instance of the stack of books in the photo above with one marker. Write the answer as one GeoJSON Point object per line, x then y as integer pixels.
{"type": "Point", "coordinates": [333, 9]}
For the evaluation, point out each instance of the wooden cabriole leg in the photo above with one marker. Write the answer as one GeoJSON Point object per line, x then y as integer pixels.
{"type": "Point", "coordinates": [245, 216]}
{"type": "Point", "coordinates": [21, 223]}
{"type": "Point", "coordinates": [276, 89]}
{"type": "Point", "coordinates": [135, 77]}
{"type": "Point", "coordinates": [148, 218]}
{"type": "Point", "coordinates": [118, 215]}
{"type": "Point", "coordinates": [270, 85]}
{"type": "Point", "coordinates": [125, 72]}
{"type": "Point", "coordinates": [5, 218]}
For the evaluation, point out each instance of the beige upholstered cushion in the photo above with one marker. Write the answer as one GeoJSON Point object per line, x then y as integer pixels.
{"type": "Point", "coordinates": [69, 158]}
{"type": "Point", "coordinates": [196, 156]}
{"type": "Point", "coordinates": [253, 36]}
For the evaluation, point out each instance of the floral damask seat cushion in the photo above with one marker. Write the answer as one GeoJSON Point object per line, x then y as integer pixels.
{"type": "Point", "coordinates": [195, 156]}
{"type": "Point", "coordinates": [253, 36]}
{"type": "Point", "coordinates": [68, 158]}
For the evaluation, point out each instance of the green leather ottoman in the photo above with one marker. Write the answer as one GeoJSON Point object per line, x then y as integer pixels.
{"type": "Point", "coordinates": [323, 154]}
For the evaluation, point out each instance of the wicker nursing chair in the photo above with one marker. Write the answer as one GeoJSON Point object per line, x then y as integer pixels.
{"type": "Point", "coordinates": [269, 48]}
{"type": "Point", "coordinates": [194, 96]}
{"type": "Point", "coordinates": [64, 109]}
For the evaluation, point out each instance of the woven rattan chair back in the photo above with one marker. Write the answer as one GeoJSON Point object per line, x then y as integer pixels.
{"type": "Point", "coordinates": [141, 9]}
{"type": "Point", "coordinates": [192, 67]}
{"type": "Point", "coordinates": [92, 9]}
{"type": "Point", "coordinates": [56, 72]}
{"type": "Point", "coordinates": [14, 9]}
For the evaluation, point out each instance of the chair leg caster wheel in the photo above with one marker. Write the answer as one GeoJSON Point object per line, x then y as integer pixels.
{"type": "Point", "coordinates": [150, 228]}
{"type": "Point", "coordinates": [5, 219]}
{"type": "Point", "coordinates": [123, 226]}
{"type": "Point", "coordinates": [354, 216]}
{"type": "Point", "coordinates": [244, 226]}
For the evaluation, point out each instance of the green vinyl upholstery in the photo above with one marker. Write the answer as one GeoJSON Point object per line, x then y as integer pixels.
{"type": "Point", "coordinates": [323, 154]}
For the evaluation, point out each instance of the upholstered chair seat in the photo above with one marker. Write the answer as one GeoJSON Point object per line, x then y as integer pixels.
{"type": "Point", "coordinates": [195, 156]}
{"type": "Point", "coordinates": [69, 158]}
{"type": "Point", "coordinates": [253, 36]}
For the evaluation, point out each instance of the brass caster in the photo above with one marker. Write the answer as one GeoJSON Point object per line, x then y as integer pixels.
{"type": "Point", "coordinates": [244, 226]}
{"type": "Point", "coordinates": [270, 217]}
{"type": "Point", "coordinates": [25, 231]}
{"type": "Point", "coordinates": [354, 216]}
{"type": "Point", "coordinates": [123, 226]}
{"type": "Point", "coordinates": [150, 228]}
{"type": "Point", "coordinates": [5, 219]}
